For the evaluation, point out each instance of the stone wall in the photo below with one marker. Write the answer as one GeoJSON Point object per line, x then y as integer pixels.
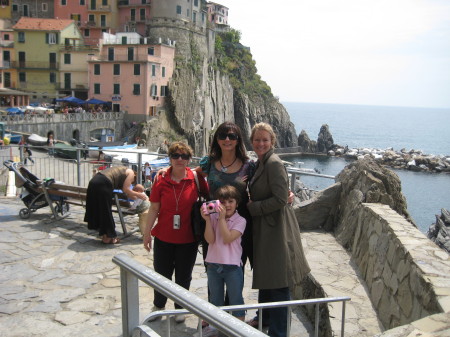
{"type": "Point", "coordinates": [407, 275]}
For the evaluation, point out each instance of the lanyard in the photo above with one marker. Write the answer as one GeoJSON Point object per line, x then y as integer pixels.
{"type": "Point", "coordinates": [178, 198]}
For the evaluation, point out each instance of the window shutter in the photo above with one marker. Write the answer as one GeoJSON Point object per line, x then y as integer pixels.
{"type": "Point", "coordinates": [46, 38]}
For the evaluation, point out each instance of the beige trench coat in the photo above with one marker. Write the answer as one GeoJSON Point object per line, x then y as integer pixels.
{"type": "Point", "coordinates": [278, 258]}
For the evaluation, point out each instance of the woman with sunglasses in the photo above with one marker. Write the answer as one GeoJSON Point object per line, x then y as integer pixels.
{"type": "Point", "coordinates": [228, 164]}
{"type": "Point", "coordinates": [172, 198]}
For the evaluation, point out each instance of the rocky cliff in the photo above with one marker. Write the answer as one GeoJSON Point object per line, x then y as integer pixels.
{"type": "Point", "coordinates": [215, 80]}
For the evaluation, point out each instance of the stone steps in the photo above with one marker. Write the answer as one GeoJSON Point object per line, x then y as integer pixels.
{"type": "Point", "coordinates": [333, 269]}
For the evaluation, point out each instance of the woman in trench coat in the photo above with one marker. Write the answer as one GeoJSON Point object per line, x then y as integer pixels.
{"type": "Point", "coordinates": [279, 261]}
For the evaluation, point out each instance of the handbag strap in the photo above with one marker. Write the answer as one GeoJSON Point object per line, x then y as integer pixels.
{"type": "Point", "coordinates": [196, 182]}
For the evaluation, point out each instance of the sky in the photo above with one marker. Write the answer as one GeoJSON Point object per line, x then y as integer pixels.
{"type": "Point", "coordinates": [377, 52]}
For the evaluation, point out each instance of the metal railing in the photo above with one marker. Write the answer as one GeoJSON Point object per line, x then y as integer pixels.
{"type": "Point", "coordinates": [131, 271]}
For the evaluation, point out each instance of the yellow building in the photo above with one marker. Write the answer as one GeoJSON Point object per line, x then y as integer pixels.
{"type": "Point", "coordinates": [39, 44]}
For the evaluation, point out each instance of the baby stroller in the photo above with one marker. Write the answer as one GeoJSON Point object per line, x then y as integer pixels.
{"type": "Point", "coordinates": [32, 195]}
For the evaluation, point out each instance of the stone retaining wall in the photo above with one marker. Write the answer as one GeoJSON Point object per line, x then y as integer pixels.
{"type": "Point", "coordinates": [407, 275]}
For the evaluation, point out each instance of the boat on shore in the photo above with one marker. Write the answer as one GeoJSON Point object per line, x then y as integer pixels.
{"type": "Point", "coordinates": [36, 140]}
{"type": "Point", "coordinates": [13, 138]}
{"type": "Point", "coordinates": [96, 147]}
{"type": "Point", "coordinates": [68, 151]}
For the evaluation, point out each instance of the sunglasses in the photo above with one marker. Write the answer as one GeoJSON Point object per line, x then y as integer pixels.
{"type": "Point", "coordinates": [231, 136]}
{"type": "Point", "coordinates": [178, 155]}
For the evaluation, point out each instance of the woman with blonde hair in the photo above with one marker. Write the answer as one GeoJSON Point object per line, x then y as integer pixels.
{"type": "Point", "coordinates": [278, 258]}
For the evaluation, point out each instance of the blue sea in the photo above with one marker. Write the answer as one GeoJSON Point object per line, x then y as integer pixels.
{"type": "Point", "coordinates": [382, 127]}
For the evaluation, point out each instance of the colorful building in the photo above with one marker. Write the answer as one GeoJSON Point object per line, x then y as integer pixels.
{"type": "Point", "coordinates": [38, 46]}
{"type": "Point", "coordinates": [131, 73]}
{"type": "Point", "coordinates": [43, 9]}
{"type": "Point", "coordinates": [133, 16]}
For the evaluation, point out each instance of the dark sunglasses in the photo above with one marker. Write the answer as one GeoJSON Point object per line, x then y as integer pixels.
{"type": "Point", "coordinates": [178, 155]}
{"type": "Point", "coordinates": [231, 136]}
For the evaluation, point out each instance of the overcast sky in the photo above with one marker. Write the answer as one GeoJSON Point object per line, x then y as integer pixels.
{"type": "Point", "coordinates": [377, 52]}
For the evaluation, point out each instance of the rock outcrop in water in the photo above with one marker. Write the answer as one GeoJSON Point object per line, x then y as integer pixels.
{"type": "Point", "coordinates": [439, 232]}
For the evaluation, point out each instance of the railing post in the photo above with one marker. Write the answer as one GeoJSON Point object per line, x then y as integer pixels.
{"type": "Point", "coordinates": [130, 302]}
{"type": "Point", "coordinates": [79, 167]}
{"type": "Point", "coordinates": [139, 173]}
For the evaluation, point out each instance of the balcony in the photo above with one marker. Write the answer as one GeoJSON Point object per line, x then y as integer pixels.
{"type": "Point", "coordinates": [105, 8]}
{"type": "Point", "coordinates": [125, 3]}
{"type": "Point", "coordinates": [36, 65]}
{"type": "Point", "coordinates": [6, 44]}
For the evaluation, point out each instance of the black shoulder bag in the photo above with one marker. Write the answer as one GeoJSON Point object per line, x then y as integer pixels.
{"type": "Point", "coordinates": [198, 223]}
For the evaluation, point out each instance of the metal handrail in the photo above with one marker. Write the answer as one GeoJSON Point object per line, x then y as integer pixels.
{"type": "Point", "coordinates": [131, 271]}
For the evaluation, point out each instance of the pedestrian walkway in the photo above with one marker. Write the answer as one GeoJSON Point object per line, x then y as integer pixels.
{"type": "Point", "coordinates": [332, 267]}
{"type": "Point", "coordinates": [58, 279]}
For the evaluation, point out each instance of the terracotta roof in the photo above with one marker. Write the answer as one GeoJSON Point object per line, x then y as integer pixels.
{"type": "Point", "coordinates": [26, 23]}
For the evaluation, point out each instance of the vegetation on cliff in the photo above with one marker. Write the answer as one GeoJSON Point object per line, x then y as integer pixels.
{"type": "Point", "coordinates": [236, 60]}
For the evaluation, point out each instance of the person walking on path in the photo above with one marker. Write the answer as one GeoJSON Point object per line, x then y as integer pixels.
{"type": "Point", "coordinates": [99, 199]}
{"type": "Point", "coordinates": [172, 198]}
{"type": "Point", "coordinates": [279, 261]}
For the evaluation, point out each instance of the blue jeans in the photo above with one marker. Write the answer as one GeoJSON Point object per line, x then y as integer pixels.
{"type": "Point", "coordinates": [277, 317]}
{"type": "Point", "coordinates": [232, 276]}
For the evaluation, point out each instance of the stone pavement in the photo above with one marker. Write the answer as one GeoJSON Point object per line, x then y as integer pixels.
{"type": "Point", "coordinates": [57, 278]}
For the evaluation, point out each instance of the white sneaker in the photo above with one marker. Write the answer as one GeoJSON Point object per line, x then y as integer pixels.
{"type": "Point", "coordinates": [208, 331]}
{"type": "Point", "coordinates": [180, 318]}
{"type": "Point", "coordinates": [154, 318]}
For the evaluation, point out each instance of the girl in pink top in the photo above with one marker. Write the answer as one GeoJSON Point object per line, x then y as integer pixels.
{"type": "Point", "coordinates": [223, 232]}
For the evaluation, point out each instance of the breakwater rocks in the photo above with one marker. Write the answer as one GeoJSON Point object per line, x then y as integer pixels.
{"type": "Point", "coordinates": [439, 232]}
{"type": "Point", "coordinates": [414, 160]}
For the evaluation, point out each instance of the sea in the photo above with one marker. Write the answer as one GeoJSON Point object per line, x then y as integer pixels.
{"type": "Point", "coordinates": [382, 127]}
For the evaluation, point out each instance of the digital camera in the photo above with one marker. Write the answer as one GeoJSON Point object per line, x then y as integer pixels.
{"type": "Point", "coordinates": [211, 206]}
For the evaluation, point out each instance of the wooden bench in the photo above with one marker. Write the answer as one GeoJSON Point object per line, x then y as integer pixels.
{"type": "Point", "coordinates": [76, 195]}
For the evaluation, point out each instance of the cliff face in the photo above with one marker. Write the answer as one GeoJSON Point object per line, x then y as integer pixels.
{"type": "Point", "coordinates": [203, 94]}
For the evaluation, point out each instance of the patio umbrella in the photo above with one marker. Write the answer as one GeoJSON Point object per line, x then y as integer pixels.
{"type": "Point", "coordinates": [96, 101]}
{"type": "Point", "coordinates": [70, 99]}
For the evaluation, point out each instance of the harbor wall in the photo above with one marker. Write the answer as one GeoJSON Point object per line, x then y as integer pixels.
{"type": "Point", "coordinates": [407, 275]}
{"type": "Point", "coordinates": [66, 127]}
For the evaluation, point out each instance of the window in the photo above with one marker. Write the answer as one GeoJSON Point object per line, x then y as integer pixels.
{"type": "Point", "coordinates": [67, 58]}
{"type": "Point", "coordinates": [130, 54]}
{"type": "Point", "coordinates": [153, 70]}
{"type": "Point", "coordinates": [132, 14]}
{"type": "Point", "coordinates": [91, 19]}
{"type": "Point", "coordinates": [116, 89]}
{"type": "Point", "coordinates": [142, 14]}
{"type": "Point", "coordinates": [137, 69]}
{"type": "Point", "coordinates": [87, 33]}
{"type": "Point", "coordinates": [105, 2]}
{"type": "Point", "coordinates": [178, 9]}
{"type": "Point", "coordinates": [163, 72]}
{"type": "Point", "coordinates": [63, 2]}
{"type": "Point", "coordinates": [96, 88]}
{"type": "Point", "coordinates": [194, 16]}
{"type": "Point", "coordinates": [52, 77]}
{"type": "Point", "coordinates": [67, 80]}
{"type": "Point", "coordinates": [103, 20]}
{"type": "Point", "coordinates": [44, 7]}
{"type": "Point", "coordinates": [111, 54]}
{"type": "Point", "coordinates": [15, 8]}
{"type": "Point", "coordinates": [22, 77]}
{"type": "Point", "coordinates": [151, 51]}
{"type": "Point", "coordinates": [116, 69]}
{"type": "Point", "coordinates": [51, 38]}
{"type": "Point", "coordinates": [6, 37]}
{"type": "Point", "coordinates": [136, 89]}
{"type": "Point", "coordinates": [21, 37]}
{"type": "Point", "coordinates": [82, 2]}
{"type": "Point", "coordinates": [164, 90]}
{"type": "Point", "coordinates": [196, 3]}
{"type": "Point", "coordinates": [96, 69]}
{"type": "Point", "coordinates": [153, 90]}
{"type": "Point", "coordinates": [187, 12]}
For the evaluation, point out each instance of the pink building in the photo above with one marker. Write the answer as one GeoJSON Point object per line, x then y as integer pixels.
{"type": "Point", "coordinates": [217, 13]}
{"type": "Point", "coordinates": [93, 17]}
{"type": "Point", "coordinates": [131, 73]}
{"type": "Point", "coordinates": [133, 16]}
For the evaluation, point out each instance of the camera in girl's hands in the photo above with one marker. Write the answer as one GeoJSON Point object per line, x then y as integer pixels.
{"type": "Point", "coordinates": [211, 206]}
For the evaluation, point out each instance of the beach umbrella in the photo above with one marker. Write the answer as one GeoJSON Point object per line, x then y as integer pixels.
{"type": "Point", "coordinates": [70, 99]}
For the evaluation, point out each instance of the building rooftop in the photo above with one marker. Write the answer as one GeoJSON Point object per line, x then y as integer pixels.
{"type": "Point", "coordinates": [26, 23]}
